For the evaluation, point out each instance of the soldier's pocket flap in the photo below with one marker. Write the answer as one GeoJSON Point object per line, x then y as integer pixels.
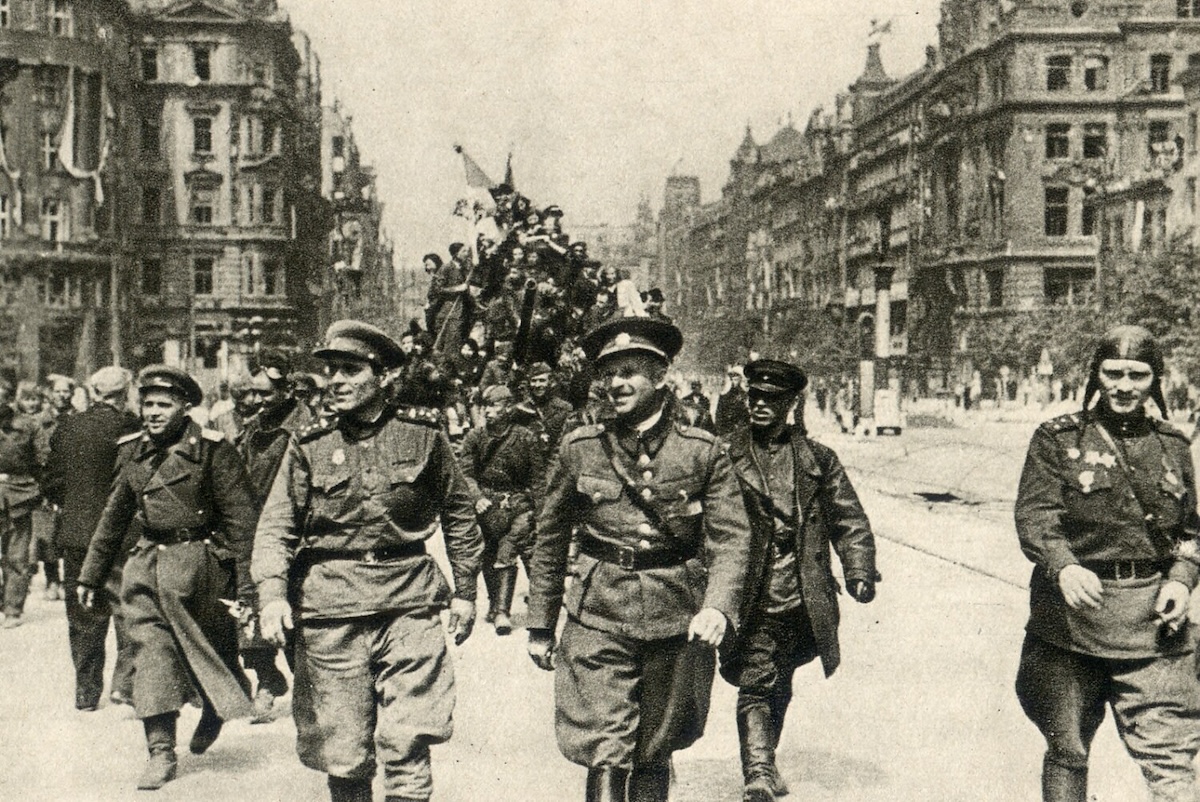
{"type": "Point", "coordinates": [331, 477]}
{"type": "Point", "coordinates": [598, 488]}
{"type": "Point", "coordinates": [1089, 479]}
{"type": "Point", "coordinates": [406, 471]}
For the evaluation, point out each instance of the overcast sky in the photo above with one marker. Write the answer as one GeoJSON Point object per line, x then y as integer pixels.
{"type": "Point", "coordinates": [597, 99]}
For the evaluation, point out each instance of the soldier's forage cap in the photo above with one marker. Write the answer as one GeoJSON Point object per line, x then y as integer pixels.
{"type": "Point", "coordinates": [552, 211]}
{"type": "Point", "coordinates": [633, 334]}
{"type": "Point", "coordinates": [357, 340]}
{"type": "Point", "coordinates": [772, 377]}
{"type": "Point", "coordinates": [496, 394]}
{"type": "Point", "coordinates": [109, 380]}
{"type": "Point", "coordinates": [539, 369]}
{"type": "Point", "coordinates": [170, 380]}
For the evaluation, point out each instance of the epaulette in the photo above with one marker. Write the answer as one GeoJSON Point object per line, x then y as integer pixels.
{"type": "Point", "coordinates": [129, 438]}
{"type": "Point", "coordinates": [687, 430]}
{"type": "Point", "coordinates": [427, 416]}
{"type": "Point", "coordinates": [1168, 428]}
{"type": "Point", "coordinates": [318, 428]}
{"type": "Point", "coordinates": [1071, 421]}
{"type": "Point", "coordinates": [212, 435]}
{"type": "Point", "coordinates": [585, 432]}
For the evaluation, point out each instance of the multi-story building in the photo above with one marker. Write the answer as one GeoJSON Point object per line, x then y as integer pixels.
{"type": "Point", "coordinates": [64, 90]}
{"type": "Point", "coordinates": [226, 166]}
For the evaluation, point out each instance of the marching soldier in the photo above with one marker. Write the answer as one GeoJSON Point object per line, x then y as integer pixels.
{"type": "Point", "coordinates": [663, 542]}
{"type": "Point", "coordinates": [184, 490]}
{"type": "Point", "coordinates": [19, 496]}
{"type": "Point", "coordinates": [262, 444]}
{"type": "Point", "coordinates": [800, 502]}
{"type": "Point", "coordinates": [1106, 511]}
{"type": "Point", "coordinates": [545, 412]}
{"type": "Point", "coordinates": [340, 555]}
{"type": "Point", "coordinates": [505, 462]}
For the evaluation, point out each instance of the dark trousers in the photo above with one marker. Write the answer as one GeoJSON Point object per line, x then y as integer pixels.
{"type": "Point", "coordinates": [16, 531]}
{"type": "Point", "coordinates": [87, 631]}
{"type": "Point", "coordinates": [775, 645]}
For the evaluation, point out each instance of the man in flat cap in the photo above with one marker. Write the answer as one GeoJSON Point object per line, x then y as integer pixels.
{"type": "Point", "coordinates": [663, 542]}
{"type": "Point", "coordinates": [340, 559]}
{"type": "Point", "coordinates": [800, 502]}
{"type": "Point", "coordinates": [262, 444]}
{"type": "Point", "coordinates": [182, 497]}
{"type": "Point", "coordinates": [79, 474]}
{"type": "Point", "coordinates": [505, 462]}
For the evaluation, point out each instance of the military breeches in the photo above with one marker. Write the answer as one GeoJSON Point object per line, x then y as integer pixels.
{"type": "Point", "coordinates": [1155, 702]}
{"type": "Point", "coordinates": [622, 701]}
{"type": "Point", "coordinates": [16, 531]}
{"type": "Point", "coordinates": [87, 631]}
{"type": "Point", "coordinates": [774, 646]}
{"type": "Point", "coordinates": [183, 637]}
{"type": "Point", "coordinates": [383, 682]}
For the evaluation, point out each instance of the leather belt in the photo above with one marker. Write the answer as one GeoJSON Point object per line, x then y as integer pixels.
{"type": "Point", "coordinates": [1127, 569]}
{"type": "Point", "coordinates": [170, 537]}
{"type": "Point", "coordinates": [629, 557]}
{"type": "Point", "coordinates": [381, 554]}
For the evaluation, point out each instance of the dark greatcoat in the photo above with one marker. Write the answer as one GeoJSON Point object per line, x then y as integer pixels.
{"type": "Point", "coordinates": [829, 515]}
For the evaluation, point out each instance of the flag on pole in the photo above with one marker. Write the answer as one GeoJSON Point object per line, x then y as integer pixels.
{"type": "Point", "coordinates": [476, 177]}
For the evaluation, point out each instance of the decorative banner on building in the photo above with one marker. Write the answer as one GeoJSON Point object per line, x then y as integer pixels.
{"type": "Point", "coordinates": [67, 138]}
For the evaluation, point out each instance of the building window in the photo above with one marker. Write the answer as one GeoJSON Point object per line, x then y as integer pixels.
{"type": "Point", "coordinates": [339, 147]}
{"type": "Point", "coordinates": [203, 268]}
{"type": "Point", "coordinates": [1056, 211]}
{"type": "Point", "coordinates": [151, 205]}
{"type": "Point", "coordinates": [1095, 73]}
{"type": "Point", "coordinates": [270, 201]}
{"type": "Point", "coordinates": [3, 217]}
{"type": "Point", "coordinates": [49, 152]}
{"type": "Point", "coordinates": [1095, 140]}
{"type": "Point", "coordinates": [1187, 8]}
{"type": "Point", "coordinates": [1070, 286]}
{"type": "Point", "coordinates": [5, 14]}
{"type": "Point", "coordinates": [149, 63]}
{"type": "Point", "coordinates": [995, 288]}
{"type": "Point", "coordinates": [246, 280]}
{"type": "Point", "coordinates": [49, 86]}
{"type": "Point", "coordinates": [202, 141]}
{"type": "Point", "coordinates": [202, 62]}
{"type": "Point", "coordinates": [208, 353]}
{"type": "Point", "coordinates": [53, 219]}
{"type": "Point", "coordinates": [202, 202]}
{"type": "Point", "coordinates": [272, 276]}
{"type": "Point", "coordinates": [61, 18]}
{"type": "Point", "coordinates": [1159, 133]}
{"type": "Point", "coordinates": [151, 278]}
{"type": "Point", "coordinates": [1160, 73]}
{"type": "Point", "coordinates": [1088, 213]}
{"type": "Point", "coordinates": [150, 136]}
{"type": "Point", "coordinates": [1058, 141]}
{"type": "Point", "coordinates": [1058, 73]}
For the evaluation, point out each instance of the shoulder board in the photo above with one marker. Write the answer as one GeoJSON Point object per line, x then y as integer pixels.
{"type": "Point", "coordinates": [318, 428]}
{"type": "Point", "coordinates": [695, 432]}
{"type": "Point", "coordinates": [129, 438]}
{"type": "Point", "coordinates": [423, 415]}
{"type": "Point", "coordinates": [1064, 423]}
{"type": "Point", "coordinates": [1164, 427]}
{"type": "Point", "coordinates": [212, 435]}
{"type": "Point", "coordinates": [588, 431]}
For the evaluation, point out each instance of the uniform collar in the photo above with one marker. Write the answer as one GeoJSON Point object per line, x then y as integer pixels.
{"type": "Point", "coordinates": [187, 446]}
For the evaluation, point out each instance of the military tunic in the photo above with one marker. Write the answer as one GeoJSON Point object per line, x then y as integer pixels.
{"type": "Point", "coordinates": [1120, 501]}
{"type": "Point", "coordinates": [629, 688]}
{"type": "Point", "coordinates": [19, 496]}
{"type": "Point", "coordinates": [341, 537]}
{"type": "Point", "coordinates": [505, 464]}
{"type": "Point", "coordinates": [189, 506]}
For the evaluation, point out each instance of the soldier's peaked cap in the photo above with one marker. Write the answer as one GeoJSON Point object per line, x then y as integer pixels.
{"type": "Point", "coordinates": [171, 380]}
{"type": "Point", "coordinates": [633, 334]}
{"type": "Point", "coordinates": [774, 377]}
{"type": "Point", "coordinates": [496, 393]}
{"type": "Point", "coordinates": [357, 340]}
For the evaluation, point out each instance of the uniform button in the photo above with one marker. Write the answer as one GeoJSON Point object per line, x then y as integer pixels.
{"type": "Point", "coordinates": [597, 496]}
{"type": "Point", "coordinates": [644, 529]}
{"type": "Point", "coordinates": [161, 547]}
{"type": "Point", "coordinates": [644, 460]}
{"type": "Point", "coordinates": [648, 475]}
{"type": "Point", "coordinates": [647, 493]}
{"type": "Point", "coordinates": [643, 544]}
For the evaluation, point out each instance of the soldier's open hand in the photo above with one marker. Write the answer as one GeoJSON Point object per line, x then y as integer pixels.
{"type": "Point", "coordinates": [708, 626]}
{"type": "Point", "coordinates": [1080, 587]}
{"type": "Point", "coordinates": [274, 621]}
{"type": "Point", "coordinates": [86, 596]}
{"type": "Point", "coordinates": [462, 619]}
{"type": "Point", "coordinates": [1172, 604]}
{"type": "Point", "coordinates": [541, 649]}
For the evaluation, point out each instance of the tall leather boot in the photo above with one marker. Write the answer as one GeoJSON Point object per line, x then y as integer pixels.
{"type": "Point", "coordinates": [344, 789]}
{"type": "Point", "coordinates": [207, 730]}
{"type": "Point", "coordinates": [650, 783]}
{"type": "Point", "coordinates": [779, 706]}
{"type": "Point", "coordinates": [160, 742]}
{"type": "Point", "coordinates": [1063, 784]}
{"type": "Point", "coordinates": [491, 582]}
{"type": "Point", "coordinates": [504, 595]}
{"type": "Point", "coordinates": [756, 736]}
{"type": "Point", "coordinates": [607, 784]}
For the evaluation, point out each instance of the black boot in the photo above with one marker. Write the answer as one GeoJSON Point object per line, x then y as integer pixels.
{"type": "Point", "coordinates": [206, 731]}
{"type": "Point", "coordinates": [650, 783]}
{"type": "Point", "coordinates": [344, 789]}
{"type": "Point", "coordinates": [160, 742]}
{"type": "Point", "coordinates": [606, 784]}
{"type": "Point", "coordinates": [1063, 784]}
{"type": "Point", "coordinates": [504, 596]}
{"type": "Point", "coordinates": [491, 582]}
{"type": "Point", "coordinates": [756, 737]}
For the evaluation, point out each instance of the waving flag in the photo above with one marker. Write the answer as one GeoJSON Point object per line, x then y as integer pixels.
{"type": "Point", "coordinates": [476, 177]}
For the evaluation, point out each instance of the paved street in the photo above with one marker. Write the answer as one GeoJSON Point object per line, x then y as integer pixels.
{"type": "Point", "coordinates": [922, 708]}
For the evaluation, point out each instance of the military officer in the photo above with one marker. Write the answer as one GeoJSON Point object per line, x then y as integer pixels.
{"type": "Point", "coordinates": [504, 462]}
{"type": "Point", "coordinates": [800, 502]}
{"type": "Point", "coordinates": [19, 496]}
{"type": "Point", "coordinates": [262, 444]}
{"type": "Point", "coordinates": [1106, 511]}
{"type": "Point", "coordinates": [663, 542]}
{"type": "Point", "coordinates": [340, 555]}
{"type": "Point", "coordinates": [184, 490]}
